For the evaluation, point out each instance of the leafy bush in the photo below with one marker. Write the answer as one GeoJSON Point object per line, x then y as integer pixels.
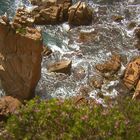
{"type": "Point", "coordinates": [65, 120]}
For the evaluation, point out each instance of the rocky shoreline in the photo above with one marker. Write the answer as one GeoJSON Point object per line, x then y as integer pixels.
{"type": "Point", "coordinates": [21, 50]}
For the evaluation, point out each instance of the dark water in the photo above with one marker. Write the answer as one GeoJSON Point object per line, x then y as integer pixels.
{"type": "Point", "coordinates": [111, 37]}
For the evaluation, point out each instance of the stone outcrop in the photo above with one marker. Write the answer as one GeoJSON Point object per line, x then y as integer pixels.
{"type": "Point", "coordinates": [80, 14]}
{"type": "Point", "coordinates": [132, 74]}
{"type": "Point", "coordinates": [8, 105]}
{"type": "Point", "coordinates": [20, 60]}
{"type": "Point", "coordinates": [63, 66]}
{"type": "Point", "coordinates": [51, 11]}
{"type": "Point", "coordinates": [110, 66]}
{"type": "Point", "coordinates": [23, 18]}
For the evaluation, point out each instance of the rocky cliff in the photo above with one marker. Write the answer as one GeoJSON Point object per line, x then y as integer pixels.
{"type": "Point", "coordinates": [20, 60]}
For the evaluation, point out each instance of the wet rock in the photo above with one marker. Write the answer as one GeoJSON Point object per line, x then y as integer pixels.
{"type": "Point", "coordinates": [131, 25]}
{"type": "Point", "coordinates": [20, 61]}
{"type": "Point", "coordinates": [80, 14]}
{"type": "Point", "coordinates": [88, 37]}
{"type": "Point", "coordinates": [137, 32]}
{"type": "Point", "coordinates": [96, 82]}
{"type": "Point", "coordinates": [63, 66]}
{"type": "Point", "coordinates": [137, 44]}
{"type": "Point", "coordinates": [46, 51]}
{"type": "Point", "coordinates": [132, 74]}
{"type": "Point", "coordinates": [110, 66]}
{"type": "Point", "coordinates": [8, 105]}
{"type": "Point", "coordinates": [79, 73]}
{"type": "Point", "coordinates": [117, 18]}
{"type": "Point", "coordinates": [137, 92]}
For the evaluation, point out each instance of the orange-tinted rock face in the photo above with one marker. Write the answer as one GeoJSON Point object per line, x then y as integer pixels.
{"type": "Point", "coordinates": [20, 61]}
{"type": "Point", "coordinates": [79, 14]}
{"type": "Point", "coordinates": [111, 65]}
{"type": "Point", "coordinates": [50, 11]}
{"type": "Point", "coordinates": [132, 74]}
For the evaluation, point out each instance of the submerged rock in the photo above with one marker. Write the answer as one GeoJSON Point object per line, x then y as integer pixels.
{"type": "Point", "coordinates": [110, 66]}
{"type": "Point", "coordinates": [117, 18]}
{"type": "Point", "coordinates": [63, 66]}
{"type": "Point", "coordinates": [8, 105]}
{"type": "Point", "coordinates": [20, 60]}
{"type": "Point", "coordinates": [132, 74]}
{"type": "Point", "coordinates": [137, 32]}
{"type": "Point", "coordinates": [88, 37]}
{"type": "Point", "coordinates": [80, 14]}
{"type": "Point", "coordinates": [96, 82]}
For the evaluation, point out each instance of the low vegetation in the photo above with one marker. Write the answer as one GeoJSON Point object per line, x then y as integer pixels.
{"type": "Point", "coordinates": [66, 120]}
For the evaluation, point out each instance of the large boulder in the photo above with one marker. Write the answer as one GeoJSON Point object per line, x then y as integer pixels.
{"type": "Point", "coordinates": [63, 66]}
{"type": "Point", "coordinates": [110, 66]}
{"type": "Point", "coordinates": [50, 15]}
{"type": "Point", "coordinates": [80, 14]}
{"type": "Point", "coordinates": [132, 74]}
{"type": "Point", "coordinates": [20, 60]}
{"type": "Point", "coordinates": [51, 11]}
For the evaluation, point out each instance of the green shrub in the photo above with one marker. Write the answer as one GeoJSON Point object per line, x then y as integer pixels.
{"type": "Point", "coordinates": [64, 120]}
{"type": "Point", "coordinates": [21, 31]}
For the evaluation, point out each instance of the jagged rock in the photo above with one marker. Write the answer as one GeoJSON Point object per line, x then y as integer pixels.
{"type": "Point", "coordinates": [51, 15]}
{"type": "Point", "coordinates": [51, 11]}
{"type": "Point", "coordinates": [137, 91]}
{"type": "Point", "coordinates": [63, 66]}
{"type": "Point", "coordinates": [80, 14]}
{"type": "Point", "coordinates": [96, 82]}
{"type": "Point", "coordinates": [8, 105]}
{"type": "Point", "coordinates": [23, 18]}
{"type": "Point", "coordinates": [132, 74]}
{"type": "Point", "coordinates": [110, 66]}
{"type": "Point", "coordinates": [20, 60]}
{"type": "Point", "coordinates": [46, 51]}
